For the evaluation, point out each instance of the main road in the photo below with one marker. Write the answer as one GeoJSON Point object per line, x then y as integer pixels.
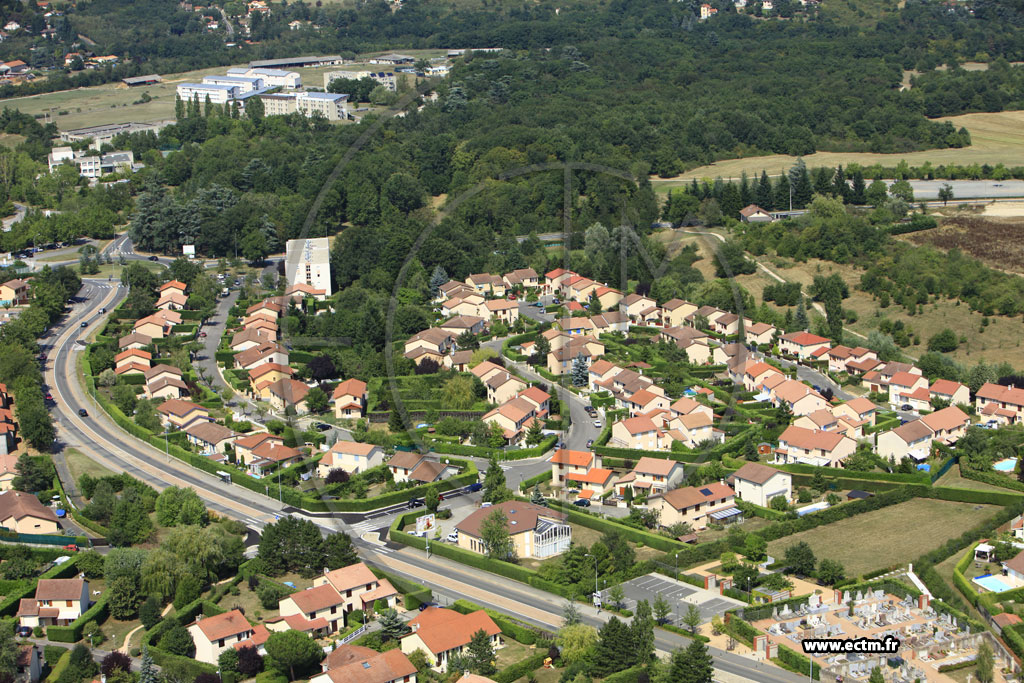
{"type": "Point", "coordinates": [100, 439]}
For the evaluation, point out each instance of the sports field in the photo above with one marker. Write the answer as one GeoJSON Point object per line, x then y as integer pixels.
{"type": "Point", "coordinates": [995, 138]}
{"type": "Point", "coordinates": [891, 536]}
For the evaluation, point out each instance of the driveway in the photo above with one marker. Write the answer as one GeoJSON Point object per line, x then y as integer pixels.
{"type": "Point", "coordinates": [214, 329]}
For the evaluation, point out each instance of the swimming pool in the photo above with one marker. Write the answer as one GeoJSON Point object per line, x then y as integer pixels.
{"type": "Point", "coordinates": [1006, 465]}
{"type": "Point", "coordinates": [992, 583]}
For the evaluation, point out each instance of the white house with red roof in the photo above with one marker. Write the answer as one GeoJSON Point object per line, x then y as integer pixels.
{"type": "Point", "coordinates": [554, 279]}
{"type": "Point", "coordinates": [800, 398]}
{"type": "Point", "coordinates": [1005, 404]}
{"type": "Point", "coordinates": [350, 399]}
{"type": "Point", "coordinates": [651, 476]}
{"type": "Point", "coordinates": [352, 456]}
{"type": "Point", "coordinates": [359, 587]}
{"type": "Point", "coordinates": [444, 633]}
{"type": "Point", "coordinates": [813, 447]}
{"type": "Point", "coordinates": [908, 388]}
{"type": "Point", "coordinates": [952, 392]}
{"type": "Point", "coordinates": [858, 409]}
{"type": "Point", "coordinates": [803, 345]}
{"type": "Point", "coordinates": [213, 635]}
{"type": "Point", "coordinates": [566, 462]}
{"type": "Point", "coordinates": [638, 433]}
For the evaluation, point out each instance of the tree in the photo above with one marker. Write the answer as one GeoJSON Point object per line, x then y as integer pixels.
{"type": "Point", "coordinates": [481, 653]}
{"type": "Point", "coordinates": [149, 611]}
{"type": "Point", "coordinates": [534, 433]}
{"type": "Point", "coordinates": [123, 598]}
{"type": "Point", "coordinates": [570, 613]}
{"type": "Point", "coordinates": [395, 422]}
{"type": "Point", "coordinates": [986, 663]}
{"type": "Point", "coordinates": [540, 351]}
{"type": "Point", "coordinates": [946, 195]}
{"type": "Point", "coordinates": [129, 523]}
{"type": "Point", "coordinates": [178, 641]}
{"type": "Point", "coordinates": [831, 571]}
{"type": "Point", "coordinates": [692, 665]}
{"type": "Point", "coordinates": [876, 193]}
{"type": "Point", "coordinates": [457, 393]}
{"type": "Point", "coordinates": [317, 400]}
{"type": "Point", "coordinates": [642, 628]}
{"type": "Point", "coordinates": [391, 625]}
{"type": "Point", "coordinates": [339, 551]}
{"type": "Point", "coordinates": [292, 544]}
{"type": "Point", "coordinates": [661, 609]}
{"type": "Point", "coordinates": [437, 278]}
{"type": "Point", "coordinates": [431, 499]}
{"type": "Point", "coordinates": [227, 662]}
{"type": "Point", "coordinates": [779, 503]}
{"type": "Point", "coordinates": [901, 189]}
{"type": "Point", "coordinates": [800, 319]}
{"type": "Point", "coordinates": [945, 341]}
{"type": "Point", "coordinates": [692, 618]}
{"type": "Point", "coordinates": [800, 558]}
{"type": "Point", "coordinates": [147, 671]}
{"type": "Point", "coordinates": [115, 661]}
{"type": "Point", "coordinates": [576, 642]}
{"type": "Point", "coordinates": [617, 595]}
{"type": "Point", "coordinates": [580, 372]}
{"type": "Point", "coordinates": [537, 498]}
{"type": "Point", "coordinates": [188, 589]}
{"type": "Point", "coordinates": [80, 664]}
{"type": "Point", "coordinates": [33, 473]}
{"type": "Point", "coordinates": [250, 662]}
{"type": "Point", "coordinates": [496, 538]}
{"type": "Point", "coordinates": [295, 652]}
{"type": "Point", "coordinates": [495, 490]}
{"type": "Point", "coordinates": [614, 651]}
{"type": "Point", "coordinates": [876, 676]}
{"type": "Point", "coordinates": [755, 548]}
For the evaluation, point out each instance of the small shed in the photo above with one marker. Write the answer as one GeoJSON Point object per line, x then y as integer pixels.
{"type": "Point", "coordinates": [857, 494]}
{"type": "Point", "coordinates": [149, 79]}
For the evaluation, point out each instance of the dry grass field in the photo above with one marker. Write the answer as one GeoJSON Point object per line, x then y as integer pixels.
{"type": "Point", "coordinates": [995, 138]}
{"type": "Point", "coordinates": [999, 242]}
{"type": "Point", "coordinates": [891, 536]}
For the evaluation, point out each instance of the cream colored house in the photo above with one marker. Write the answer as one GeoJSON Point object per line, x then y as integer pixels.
{"type": "Point", "coordinates": [213, 635]}
{"type": "Point", "coordinates": [674, 312]}
{"type": "Point", "coordinates": [318, 609]}
{"type": "Point", "coordinates": [758, 484]}
{"type": "Point", "coordinates": [651, 476]}
{"type": "Point", "coordinates": [535, 531]}
{"type": "Point", "coordinates": [566, 462]}
{"type": "Point", "coordinates": [637, 433]}
{"type": "Point", "coordinates": [350, 398]}
{"type": "Point", "coordinates": [803, 345]}
{"type": "Point", "coordinates": [57, 602]}
{"type": "Point", "coordinates": [911, 439]}
{"type": "Point", "coordinates": [814, 447]}
{"type": "Point", "coordinates": [444, 633]}
{"type": "Point", "coordinates": [696, 506]}
{"type": "Point", "coordinates": [359, 587]}
{"type": "Point", "coordinates": [8, 471]}
{"type": "Point", "coordinates": [351, 456]}
{"type": "Point", "coordinates": [857, 409]}
{"type": "Point", "coordinates": [953, 392]}
{"type": "Point", "coordinates": [23, 513]}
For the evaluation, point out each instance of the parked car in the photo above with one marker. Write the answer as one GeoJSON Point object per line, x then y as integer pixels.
{"type": "Point", "coordinates": [323, 427]}
{"type": "Point", "coordinates": [24, 631]}
{"type": "Point", "coordinates": [511, 297]}
{"type": "Point", "coordinates": [539, 305]}
{"type": "Point", "coordinates": [415, 503]}
{"type": "Point", "coordinates": [72, 547]}
{"type": "Point", "coordinates": [453, 537]}
{"type": "Point", "coordinates": [906, 406]}
{"type": "Point", "coordinates": [597, 423]}
{"type": "Point", "coordinates": [581, 503]}
{"type": "Point", "coordinates": [425, 605]}
{"type": "Point", "coordinates": [154, 258]}
{"type": "Point", "coordinates": [82, 412]}
{"type": "Point", "coordinates": [202, 334]}
{"type": "Point", "coordinates": [475, 486]}
{"type": "Point", "coordinates": [590, 443]}
{"type": "Point", "coordinates": [42, 356]}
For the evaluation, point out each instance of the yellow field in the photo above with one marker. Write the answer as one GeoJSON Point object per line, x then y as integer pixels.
{"type": "Point", "coordinates": [996, 138]}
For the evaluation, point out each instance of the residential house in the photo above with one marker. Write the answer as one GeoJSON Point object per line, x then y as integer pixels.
{"type": "Point", "coordinates": [565, 462]}
{"type": "Point", "coordinates": [152, 326]}
{"type": "Point", "coordinates": [694, 429]}
{"type": "Point", "coordinates": [287, 392]}
{"type": "Point", "coordinates": [503, 386]}
{"type": "Point", "coordinates": [857, 409]}
{"type": "Point", "coordinates": [592, 484]}
{"type": "Point", "coordinates": [453, 289]}
{"type": "Point", "coordinates": [466, 304]}
{"type": "Point", "coordinates": [911, 439]}
{"type": "Point", "coordinates": [485, 283]}
{"type": "Point", "coordinates": [525, 278]}
{"type": "Point", "coordinates": [800, 398]}
{"type": "Point", "coordinates": [878, 378]}
{"type": "Point", "coordinates": [560, 361]}
{"type": "Point", "coordinates": [638, 433]}
{"type": "Point", "coordinates": [609, 298]}
{"type": "Point", "coordinates": [952, 392]}
{"type": "Point", "coordinates": [803, 345]}
{"type": "Point", "coordinates": [171, 301]}
{"type": "Point", "coordinates": [819, 419]}
{"type": "Point", "coordinates": [458, 360]}
{"type": "Point", "coordinates": [514, 417]}
{"type": "Point", "coordinates": [262, 376]}
{"type": "Point", "coordinates": [245, 446]}
{"type": "Point", "coordinates": [759, 333]}
{"type": "Point", "coordinates": [687, 405]}
{"type": "Point", "coordinates": [575, 326]}
{"type": "Point", "coordinates": [134, 341]}
{"type": "Point", "coordinates": [270, 454]}
{"type": "Point", "coordinates": [752, 374]}
{"type": "Point", "coordinates": [268, 308]}
{"type": "Point", "coordinates": [729, 354]}
{"type": "Point", "coordinates": [8, 471]}
{"type": "Point", "coordinates": [14, 293]}
{"type": "Point", "coordinates": [535, 531]}
{"type": "Point", "coordinates": [210, 438]}
{"type": "Point", "coordinates": [601, 371]}
{"type": "Point", "coordinates": [698, 507]}
{"type": "Point", "coordinates": [634, 305]}
{"type": "Point", "coordinates": [692, 341]}
{"type": "Point", "coordinates": [369, 666]}
{"type": "Point", "coordinates": [813, 447]}
{"type": "Point", "coordinates": [431, 343]}
{"type": "Point", "coordinates": [612, 321]}
{"type": "Point", "coordinates": [173, 287]}
{"type": "Point", "coordinates": [905, 387]}
{"type": "Point", "coordinates": [57, 602]}
{"type": "Point", "coordinates": [674, 312]}
{"type": "Point", "coordinates": [352, 456]}
{"type": "Point", "coordinates": [29, 663]}
{"type": "Point", "coordinates": [167, 386]}
{"type": "Point", "coordinates": [315, 610]}
{"type": "Point", "coordinates": [1005, 403]}
{"type": "Point", "coordinates": [177, 414]}
{"type": "Point", "coordinates": [132, 362]}
{"type": "Point", "coordinates": [758, 484]}
{"type": "Point", "coordinates": [751, 213]}
{"type": "Point", "coordinates": [404, 463]}
{"type": "Point", "coordinates": [350, 398]}
{"type": "Point", "coordinates": [461, 324]}
{"type": "Point", "coordinates": [651, 476]}
{"type": "Point", "coordinates": [947, 424]}
{"type": "Point", "coordinates": [704, 317]}
{"type": "Point", "coordinates": [646, 400]}
{"type": "Point", "coordinates": [443, 634]}
{"type": "Point", "coordinates": [248, 338]}
{"type": "Point", "coordinates": [839, 357]}
{"type": "Point", "coordinates": [359, 587]}
{"type": "Point", "coordinates": [538, 398]}
{"type": "Point", "coordinates": [266, 352]}
{"type": "Point", "coordinates": [554, 279]}
{"type": "Point", "coordinates": [728, 324]}
{"type": "Point", "coordinates": [213, 635]}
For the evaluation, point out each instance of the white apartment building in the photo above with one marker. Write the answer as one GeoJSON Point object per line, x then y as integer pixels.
{"type": "Point", "coordinates": [309, 262]}
{"type": "Point", "coordinates": [272, 78]}
{"type": "Point", "coordinates": [332, 107]}
{"type": "Point", "coordinates": [245, 84]}
{"type": "Point", "coordinates": [218, 94]}
{"type": "Point", "coordinates": [385, 78]}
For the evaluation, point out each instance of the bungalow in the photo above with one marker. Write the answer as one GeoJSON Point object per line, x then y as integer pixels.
{"type": "Point", "coordinates": [997, 397]}
{"type": "Point", "coordinates": [443, 634]}
{"type": "Point", "coordinates": [857, 409]}
{"type": "Point", "coordinates": [270, 453]}
{"type": "Point", "coordinates": [246, 446]}
{"type": "Point", "coordinates": [911, 439]}
{"type": "Point", "coordinates": [566, 462]}
{"type": "Point", "coordinates": [503, 387]}
{"type": "Point", "coordinates": [651, 476]}
{"type": "Point", "coordinates": [352, 456]}
{"type": "Point", "coordinates": [213, 635]}
{"type": "Point", "coordinates": [132, 362]}
{"type": "Point", "coordinates": [954, 393]}
{"type": "Point", "coordinates": [592, 484]}
{"type": "Point", "coordinates": [166, 387]}
{"type": "Point", "coordinates": [609, 298]}
{"type": "Point", "coordinates": [704, 317]}
{"type": "Point", "coordinates": [23, 513]}
{"type": "Point", "coordinates": [211, 438]}
{"type": "Point", "coordinates": [687, 405]}
{"type": "Point", "coordinates": [453, 289]}
{"type": "Point", "coordinates": [485, 283]}
{"type": "Point", "coordinates": [14, 292]}
{"type": "Point", "coordinates": [285, 393]}
{"type": "Point", "coordinates": [315, 610]}
{"type": "Point", "coordinates": [758, 484]}
{"type": "Point", "coordinates": [359, 586]}
{"type": "Point", "coordinates": [265, 352]}
{"type": "Point", "coordinates": [713, 503]}
{"type": "Point", "coordinates": [403, 463]}
{"type": "Point", "coordinates": [485, 370]}
{"type": "Point", "coordinates": [802, 344]}
{"type": "Point", "coordinates": [634, 304]}
{"type": "Point", "coordinates": [948, 424]}
{"type": "Point", "coordinates": [813, 447]}
{"type": "Point", "coordinates": [134, 341]}
{"type": "Point", "coordinates": [363, 665]}
{"type": "Point", "coordinates": [753, 213]}
{"type": "Point", "coordinates": [535, 531]}
{"type": "Point", "coordinates": [674, 312]}
{"type": "Point", "coordinates": [458, 360]}
{"type": "Point", "coordinates": [461, 324]}
{"type": "Point", "coordinates": [759, 333]}
{"type": "Point", "coordinates": [902, 386]}
{"type": "Point", "coordinates": [728, 324]}
{"type": "Point", "coordinates": [467, 304]}
{"type": "Point", "coordinates": [350, 398]}
{"type": "Point", "coordinates": [691, 340]}
{"type": "Point", "coordinates": [432, 339]}
{"type": "Point", "coordinates": [248, 338]}
{"type": "Point", "coordinates": [638, 433]}
{"type": "Point", "coordinates": [178, 414]}
{"type": "Point", "coordinates": [800, 398]}
{"type": "Point", "coordinates": [522, 277]}
{"type": "Point", "coordinates": [57, 602]}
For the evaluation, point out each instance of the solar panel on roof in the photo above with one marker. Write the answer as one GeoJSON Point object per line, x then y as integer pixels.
{"type": "Point", "coordinates": [706, 492]}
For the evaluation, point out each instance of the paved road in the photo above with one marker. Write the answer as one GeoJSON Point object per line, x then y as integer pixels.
{"type": "Point", "coordinates": [214, 329]}
{"type": "Point", "coordinates": [967, 189]}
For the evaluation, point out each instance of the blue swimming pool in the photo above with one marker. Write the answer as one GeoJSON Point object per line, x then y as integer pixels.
{"type": "Point", "coordinates": [1006, 465]}
{"type": "Point", "coordinates": [992, 583]}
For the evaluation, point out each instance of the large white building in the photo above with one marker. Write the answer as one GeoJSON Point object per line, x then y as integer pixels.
{"type": "Point", "coordinates": [272, 78]}
{"type": "Point", "coordinates": [308, 262]}
{"type": "Point", "coordinates": [385, 78]}
{"type": "Point", "coordinates": [218, 94]}
{"type": "Point", "coordinates": [245, 84]}
{"type": "Point", "coordinates": [333, 107]}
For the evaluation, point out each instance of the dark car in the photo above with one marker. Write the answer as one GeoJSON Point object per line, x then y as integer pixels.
{"type": "Point", "coordinates": [415, 503]}
{"type": "Point", "coordinates": [475, 486]}
{"type": "Point", "coordinates": [906, 406]}
{"type": "Point", "coordinates": [590, 443]}
{"type": "Point", "coordinates": [24, 631]}
{"type": "Point", "coordinates": [82, 412]}
{"type": "Point", "coordinates": [85, 323]}
{"type": "Point", "coordinates": [154, 258]}
{"type": "Point", "coordinates": [423, 605]}
{"type": "Point", "coordinates": [323, 427]}
{"type": "Point", "coordinates": [42, 356]}
{"type": "Point", "coordinates": [581, 503]}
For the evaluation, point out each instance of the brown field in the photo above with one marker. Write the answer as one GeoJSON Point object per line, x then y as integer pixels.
{"type": "Point", "coordinates": [999, 242]}
{"type": "Point", "coordinates": [995, 138]}
{"type": "Point", "coordinates": [891, 536]}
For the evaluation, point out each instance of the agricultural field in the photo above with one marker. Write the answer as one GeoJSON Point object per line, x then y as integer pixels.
{"type": "Point", "coordinates": [888, 537]}
{"type": "Point", "coordinates": [995, 138]}
{"type": "Point", "coordinates": [999, 242]}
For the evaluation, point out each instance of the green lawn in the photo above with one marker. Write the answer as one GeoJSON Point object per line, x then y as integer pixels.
{"type": "Point", "coordinates": [248, 602]}
{"type": "Point", "coordinates": [891, 536]}
{"type": "Point", "coordinates": [954, 479]}
{"type": "Point", "coordinates": [80, 464]}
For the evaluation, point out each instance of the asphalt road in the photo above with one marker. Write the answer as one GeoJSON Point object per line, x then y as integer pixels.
{"type": "Point", "coordinates": [967, 189]}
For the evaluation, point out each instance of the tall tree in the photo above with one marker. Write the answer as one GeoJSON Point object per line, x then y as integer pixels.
{"type": "Point", "coordinates": [858, 194]}
{"type": "Point", "coordinates": [495, 535]}
{"type": "Point", "coordinates": [642, 629]}
{"type": "Point", "coordinates": [495, 490]}
{"type": "Point", "coordinates": [481, 653]}
{"type": "Point", "coordinates": [295, 652]}
{"type": "Point", "coordinates": [615, 651]}
{"type": "Point", "coordinates": [765, 198]}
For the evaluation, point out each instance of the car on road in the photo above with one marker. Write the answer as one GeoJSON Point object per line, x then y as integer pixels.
{"type": "Point", "coordinates": [85, 323]}
{"type": "Point", "coordinates": [539, 305]}
{"type": "Point", "coordinates": [82, 412]}
{"type": "Point", "coordinates": [590, 443]}
{"type": "Point", "coordinates": [581, 503]}
{"type": "Point", "coordinates": [48, 397]}
{"type": "Point", "coordinates": [906, 406]}
{"type": "Point", "coordinates": [154, 258]}
{"type": "Point", "coordinates": [415, 503]}
{"type": "Point", "coordinates": [475, 486]}
{"type": "Point", "coordinates": [323, 426]}
{"type": "Point", "coordinates": [597, 423]}
{"type": "Point", "coordinates": [103, 310]}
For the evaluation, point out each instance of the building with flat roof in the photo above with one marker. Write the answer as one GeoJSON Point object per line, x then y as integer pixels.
{"type": "Point", "coordinates": [297, 62]}
{"type": "Point", "coordinates": [218, 94]}
{"type": "Point", "coordinates": [101, 135]}
{"type": "Point", "coordinates": [332, 106]}
{"type": "Point", "coordinates": [274, 78]}
{"type": "Point", "coordinates": [308, 261]}
{"type": "Point", "coordinates": [245, 84]}
{"type": "Point", "coordinates": [385, 78]}
{"type": "Point", "coordinates": [148, 79]}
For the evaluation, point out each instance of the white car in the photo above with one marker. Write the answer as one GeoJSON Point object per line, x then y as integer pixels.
{"type": "Point", "coordinates": [597, 423]}
{"type": "Point", "coordinates": [453, 537]}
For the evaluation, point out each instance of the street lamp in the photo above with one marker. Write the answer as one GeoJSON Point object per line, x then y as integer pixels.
{"type": "Point", "coordinates": [675, 573]}
{"type": "Point", "coordinates": [596, 592]}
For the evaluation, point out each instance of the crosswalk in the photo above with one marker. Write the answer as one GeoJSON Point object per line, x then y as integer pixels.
{"type": "Point", "coordinates": [361, 528]}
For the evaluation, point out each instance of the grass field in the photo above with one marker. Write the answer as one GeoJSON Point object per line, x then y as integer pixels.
{"type": "Point", "coordinates": [999, 242]}
{"type": "Point", "coordinates": [80, 464]}
{"type": "Point", "coordinates": [891, 536]}
{"type": "Point", "coordinates": [953, 479]}
{"type": "Point", "coordinates": [995, 138]}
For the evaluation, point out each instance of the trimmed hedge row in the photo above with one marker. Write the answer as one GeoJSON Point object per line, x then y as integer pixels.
{"type": "Point", "coordinates": [1013, 637]}
{"type": "Point", "coordinates": [527, 484]}
{"type": "Point", "coordinates": [684, 632]}
{"type": "Point", "coordinates": [72, 633]}
{"type": "Point", "coordinates": [630, 675]}
{"type": "Point", "coordinates": [522, 668]}
{"type": "Point", "coordinates": [921, 478]}
{"type": "Point", "coordinates": [226, 357]}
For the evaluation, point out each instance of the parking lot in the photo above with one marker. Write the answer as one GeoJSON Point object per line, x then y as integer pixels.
{"type": "Point", "coordinates": [678, 594]}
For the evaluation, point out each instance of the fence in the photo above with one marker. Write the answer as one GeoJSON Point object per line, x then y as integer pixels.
{"type": "Point", "coordinates": [9, 536]}
{"type": "Point", "coordinates": [352, 636]}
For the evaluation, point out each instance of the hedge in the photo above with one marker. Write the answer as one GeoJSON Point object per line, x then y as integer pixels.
{"type": "Point", "coordinates": [959, 665]}
{"type": "Point", "coordinates": [226, 357]}
{"type": "Point", "coordinates": [630, 675]}
{"type": "Point", "coordinates": [630, 533]}
{"type": "Point", "coordinates": [509, 626]}
{"type": "Point", "coordinates": [415, 594]}
{"type": "Point", "coordinates": [527, 484]}
{"type": "Point", "coordinates": [72, 633]}
{"type": "Point", "coordinates": [684, 632]}
{"type": "Point", "coordinates": [521, 668]}
{"type": "Point", "coordinates": [62, 664]}
{"type": "Point", "coordinates": [1012, 637]}
{"type": "Point", "coordinates": [921, 478]}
